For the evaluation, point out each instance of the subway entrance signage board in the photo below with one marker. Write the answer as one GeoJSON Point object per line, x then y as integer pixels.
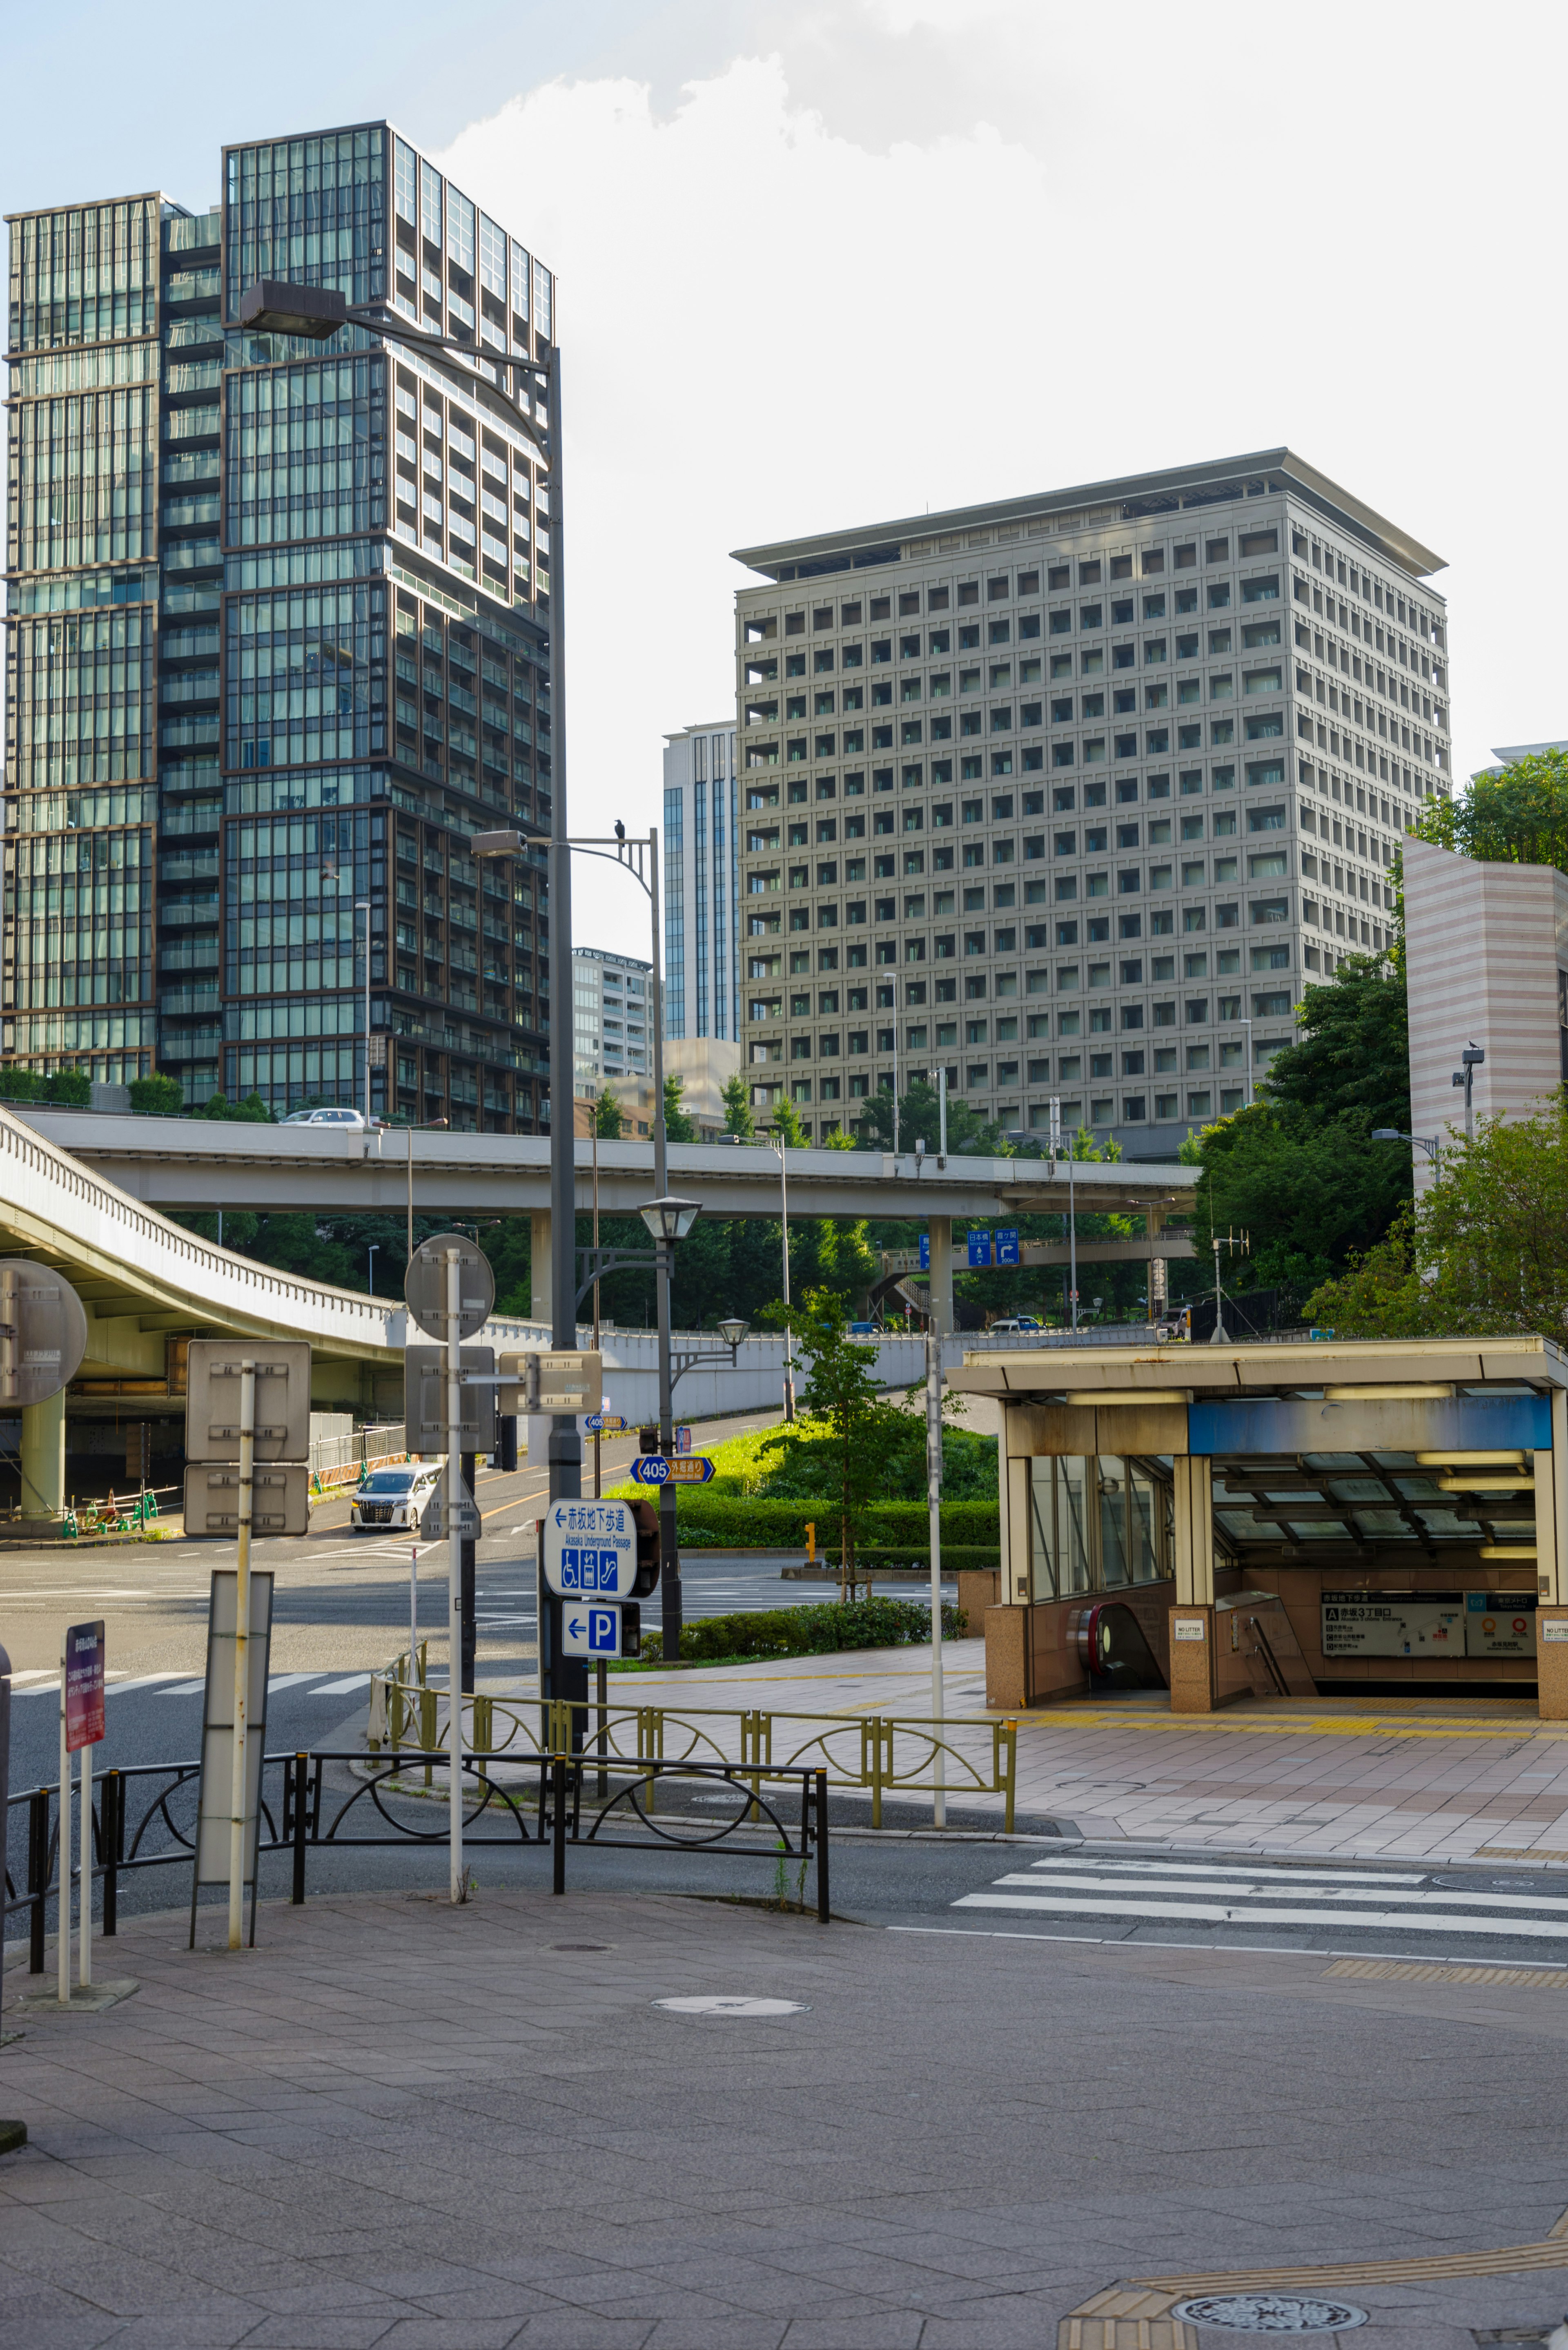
{"type": "Point", "coordinates": [1423, 1624]}
{"type": "Point", "coordinates": [589, 1549]}
{"type": "Point", "coordinates": [1500, 1623]}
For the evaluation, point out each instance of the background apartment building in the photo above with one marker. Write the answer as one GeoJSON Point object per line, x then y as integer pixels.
{"type": "Point", "coordinates": [1070, 794]}
{"type": "Point", "coordinates": [276, 645]}
{"type": "Point", "coordinates": [610, 1019]}
{"type": "Point", "coordinates": [702, 883]}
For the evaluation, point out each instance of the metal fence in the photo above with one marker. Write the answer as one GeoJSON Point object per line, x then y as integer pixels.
{"type": "Point", "coordinates": [338, 1460]}
{"type": "Point", "coordinates": [876, 1755]}
{"type": "Point", "coordinates": [145, 1817]}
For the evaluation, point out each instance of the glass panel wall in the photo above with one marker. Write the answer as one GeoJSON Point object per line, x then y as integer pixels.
{"type": "Point", "coordinates": [1097, 1525]}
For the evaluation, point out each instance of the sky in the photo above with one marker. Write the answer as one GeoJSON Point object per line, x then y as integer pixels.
{"type": "Point", "coordinates": [821, 264]}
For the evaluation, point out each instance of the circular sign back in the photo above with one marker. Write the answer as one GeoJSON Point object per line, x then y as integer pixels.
{"type": "Point", "coordinates": [425, 1286]}
{"type": "Point", "coordinates": [42, 1332]}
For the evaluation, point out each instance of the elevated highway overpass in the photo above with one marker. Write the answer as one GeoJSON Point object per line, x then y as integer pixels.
{"type": "Point", "coordinates": [91, 1192]}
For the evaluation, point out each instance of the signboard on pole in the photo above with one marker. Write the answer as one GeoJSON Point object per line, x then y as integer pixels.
{"type": "Point", "coordinates": [84, 1686]}
{"type": "Point", "coordinates": [424, 1286]}
{"type": "Point", "coordinates": [925, 1252]}
{"type": "Point", "coordinates": [437, 1526]}
{"type": "Point", "coordinates": [42, 1332]}
{"type": "Point", "coordinates": [1007, 1245]}
{"type": "Point", "coordinates": [280, 1498]}
{"type": "Point", "coordinates": [602, 1633]}
{"type": "Point", "coordinates": [214, 1380]}
{"type": "Point", "coordinates": [425, 1399]}
{"type": "Point", "coordinates": [683, 1440]}
{"type": "Point", "coordinates": [606, 1423]}
{"type": "Point", "coordinates": [568, 1384]}
{"type": "Point", "coordinates": [215, 1803]}
{"type": "Point", "coordinates": [979, 1248]}
{"type": "Point", "coordinates": [589, 1547]}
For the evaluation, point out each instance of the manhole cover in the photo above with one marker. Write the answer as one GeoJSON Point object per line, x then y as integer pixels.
{"type": "Point", "coordinates": [1269, 2313]}
{"type": "Point", "coordinates": [717, 2003]}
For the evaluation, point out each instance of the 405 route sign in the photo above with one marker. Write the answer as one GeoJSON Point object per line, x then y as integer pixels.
{"type": "Point", "coordinates": [588, 1550]}
{"type": "Point", "coordinates": [606, 1423]}
{"type": "Point", "coordinates": [655, 1469]}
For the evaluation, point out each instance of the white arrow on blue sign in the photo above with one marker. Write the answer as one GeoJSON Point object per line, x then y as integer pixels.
{"type": "Point", "coordinates": [589, 1549]}
{"type": "Point", "coordinates": [590, 1631]}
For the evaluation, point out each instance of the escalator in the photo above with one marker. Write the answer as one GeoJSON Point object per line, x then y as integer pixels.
{"type": "Point", "coordinates": [1112, 1650]}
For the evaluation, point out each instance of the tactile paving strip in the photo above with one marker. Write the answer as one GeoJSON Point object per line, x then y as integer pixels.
{"type": "Point", "coordinates": [1412, 1971]}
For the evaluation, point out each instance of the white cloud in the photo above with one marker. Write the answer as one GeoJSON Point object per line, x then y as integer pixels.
{"type": "Point", "coordinates": [901, 251]}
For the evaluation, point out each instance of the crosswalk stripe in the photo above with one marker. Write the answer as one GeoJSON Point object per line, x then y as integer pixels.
{"type": "Point", "coordinates": [1278, 1888]}
{"type": "Point", "coordinates": [1215, 1913]}
{"type": "Point", "coordinates": [341, 1688]}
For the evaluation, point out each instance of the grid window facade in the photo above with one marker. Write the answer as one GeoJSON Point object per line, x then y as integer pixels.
{"type": "Point", "coordinates": [1047, 801]}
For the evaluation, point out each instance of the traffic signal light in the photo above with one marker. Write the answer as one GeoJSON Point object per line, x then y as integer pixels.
{"type": "Point", "coordinates": [648, 1439]}
{"type": "Point", "coordinates": [648, 1554]}
{"type": "Point", "coordinates": [506, 1456]}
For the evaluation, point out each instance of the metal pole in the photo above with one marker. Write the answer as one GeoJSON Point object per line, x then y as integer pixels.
{"type": "Point", "coordinates": [241, 1655]}
{"type": "Point", "coordinates": [934, 1501]}
{"type": "Point", "coordinates": [668, 1536]}
{"type": "Point", "coordinates": [63, 1935]}
{"type": "Point", "coordinates": [413, 1608]}
{"type": "Point", "coordinates": [660, 1137]}
{"type": "Point", "coordinates": [84, 1904]}
{"type": "Point", "coordinates": [601, 1414]}
{"type": "Point", "coordinates": [1248, 1027]}
{"type": "Point", "coordinates": [565, 1443]}
{"type": "Point", "coordinates": [789, 1336]}
{"type": "Point", "coordinates": [1218, 1301]}
{"type": "Point", "coordinates": [365, 903]}
{"type": "Point", "coordinates": [410, 1255]}
{"type": "Point", "coordinates": [1073, 1230]}
{"type": "Point", "coordinates": [456, 1888]}
{"type": "Point", "coordinates": [941, 1116]}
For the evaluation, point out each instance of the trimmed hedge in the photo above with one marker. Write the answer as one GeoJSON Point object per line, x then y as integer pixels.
{"type": "Point", "coordinates": [730, 1521]}
{"type": "Point", "coordinates": [812, 1631]}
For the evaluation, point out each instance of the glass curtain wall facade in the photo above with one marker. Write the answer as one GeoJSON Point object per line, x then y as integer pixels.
{"type": "Point", "coordinates": [277, 646]}
{"type": "Point", "coordinates": [702, 883]}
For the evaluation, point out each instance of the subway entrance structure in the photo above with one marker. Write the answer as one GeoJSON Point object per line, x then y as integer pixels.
{"type": "Point", "coordinates": [1280, 1519]}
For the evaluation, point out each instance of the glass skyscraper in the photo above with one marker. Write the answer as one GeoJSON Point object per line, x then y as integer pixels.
{"type": "Point", "coordinates": [702, 884]}
{"type": "Point", "coordinates": [277, 646]}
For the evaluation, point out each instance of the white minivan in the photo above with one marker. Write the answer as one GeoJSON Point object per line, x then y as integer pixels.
{"type": "Point", "coordinates": [394, 1499]}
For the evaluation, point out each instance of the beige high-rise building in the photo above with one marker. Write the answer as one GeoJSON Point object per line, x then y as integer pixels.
{"type": "Point", "coordinates": [1070, 795]}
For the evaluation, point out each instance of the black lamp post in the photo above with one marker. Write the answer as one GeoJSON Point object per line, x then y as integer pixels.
{"type": "Point", "coordinates": [669, 1220]}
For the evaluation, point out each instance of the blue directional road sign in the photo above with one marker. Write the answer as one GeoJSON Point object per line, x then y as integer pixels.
{"type": "Point", "coordinates": [1007, 1245]}
{"type": "Point", "coordinates": [606, 1423]}
{"type": "Point", "coordinates": [925, 1252]}
{"type": "Point", "coordinates": [656, 1469]}
{"type": "Point", "coordinates": [589, 1549]}
{"type": "Point", "coordinates": [979, 1248]}
{"type": "Point", "coordinates": [650, 1468]}
{"type": "Point", "coordinates": [590, 1631]}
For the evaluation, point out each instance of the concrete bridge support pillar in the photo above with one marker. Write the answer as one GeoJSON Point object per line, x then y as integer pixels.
{"type": "Point", "coordinates": [539, 1222]}
{"type": "Point", "coordinates": [44, 1458]}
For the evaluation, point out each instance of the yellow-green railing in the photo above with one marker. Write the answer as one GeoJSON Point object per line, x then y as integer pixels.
{"type": "Point", "coordinates": [883, 1754]}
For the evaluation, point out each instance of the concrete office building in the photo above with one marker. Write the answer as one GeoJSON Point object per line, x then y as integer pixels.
{"type": "Point", "coordinates": [702, 883]}
{"type": "Point", "coordinates": [276, 645]}
{"type": "Point", "coordinates": [610, 1018]}
{"type": "Point", "coordinates": [1071, 794]}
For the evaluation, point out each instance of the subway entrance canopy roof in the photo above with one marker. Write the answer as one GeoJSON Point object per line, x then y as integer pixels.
{"type": "Point", "coordinates": [1384, 1506]}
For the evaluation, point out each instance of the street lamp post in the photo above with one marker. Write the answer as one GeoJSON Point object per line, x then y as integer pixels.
{"type": "Point", "coordinates": [1432, 1144]}
{"type": "Point", "coordinates": [669, 1221]}
{"type": "Point", "coordinates": [782, 1148]}
{"type": "Point", "coordinates": [370, 1249]}
{"type": "Point", "coordinates": [1470, 1060]}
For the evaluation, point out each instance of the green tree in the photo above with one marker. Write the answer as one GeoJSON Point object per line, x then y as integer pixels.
{"type": "Point", "coordinates": [1484, 1251]}
{"type": "Point", "coordinates": [786, 1124]}
{"type": "Point", "coordinates": [157, 1096]}
{"type": "Point", "coordinates": [738, 1120]}
{"type": "Point", "coordinates": [919, 1120]}
{"type": "Point", "coordinates": [678, 1126]}
{"type": "Point", "coordinates": [1299, 1170]}
{"type": "Point", "coordinates": [251, 1111]}
{"type": "Point", "coordinates": [840, 1393]}
{"type": "Point", "coordinates": [609, 1118]}
{"type": "Point", "coordinates": [70, 1089]}
{"type": "Point", "coordinates": [1518, 816]}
